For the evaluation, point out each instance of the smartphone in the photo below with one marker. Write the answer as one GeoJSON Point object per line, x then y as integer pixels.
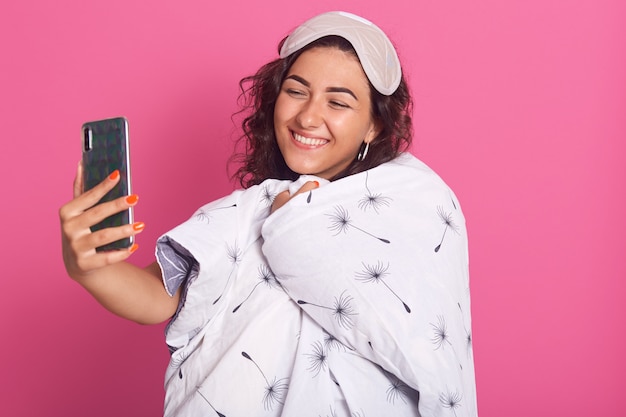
{"type": "Point", "coordinates": [105, 149]}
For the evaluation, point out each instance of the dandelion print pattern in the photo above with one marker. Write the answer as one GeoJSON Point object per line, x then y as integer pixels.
{"type": "Point", "coordinates": [375, 274]}
{"type": "Point", "coordinates": [342, 310]}
{"type": "Point", "coordinates": [205, 216]}
{"type": "Point", "coordinates": [371, 200]}
{"type": "Point", "coordinates": [275, 391]}
{"type": "Point", "coordinates": [442, 337]}
{"type": "Point", "coordinates": [468, 335]}
{"type": "Point", "coordinates": [453, 203]}
{"type": "Point", "coordinates": [267, 196]}
{"type": "Point", "coordinates": [178, 362]}
{"type": "Point", "coordinates": [202, 216]}
{"type": "Point", "coordinates": [446, 219]}
{"type": "Point", "coordinates": [234, 256]}
{"type": "Point", "coordinates": [451, 400]}
{"type": "Point", "coordinates": [317, 359]}
{"type": "Point", "coordinates": [332, 412]}
{"type": "Point", "coordinates": [211, 405]}
{"type": "Point", "coordinates": [331, 343]}
{"type": "Point", "coordinates": [340, 222]}
{"type": "Point", "coordinates": [265, 277]}
{"type": "Point", "coordinates": [468, 342]}
{"type": "Point", "coordinates": [397, 390]}
{"type": "Point", "coordinates": [441, 333]}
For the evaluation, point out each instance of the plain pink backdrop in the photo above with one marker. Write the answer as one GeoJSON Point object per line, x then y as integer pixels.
{"type": "Point", "coordinates": [520, 105]}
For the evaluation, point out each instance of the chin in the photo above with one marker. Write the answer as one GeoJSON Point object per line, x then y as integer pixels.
{"type": "Point", "coordinates": [301, 168]}
{"type": "Point", "coordinates": [302, 171]}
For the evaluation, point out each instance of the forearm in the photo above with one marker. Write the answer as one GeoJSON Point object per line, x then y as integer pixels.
{"type": "Point", "coordinates": [131, 292]}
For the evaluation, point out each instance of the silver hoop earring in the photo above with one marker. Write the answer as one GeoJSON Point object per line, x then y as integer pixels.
{"type": "Point", "coordinates": [363, 152]}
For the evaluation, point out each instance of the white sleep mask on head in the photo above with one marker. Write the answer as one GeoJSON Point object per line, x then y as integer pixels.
{"type": "Point", "coordinates": [375, 51]}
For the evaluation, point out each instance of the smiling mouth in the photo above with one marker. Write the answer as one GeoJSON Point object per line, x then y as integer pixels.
{"type": "Point", "coordinates": [308, 141]}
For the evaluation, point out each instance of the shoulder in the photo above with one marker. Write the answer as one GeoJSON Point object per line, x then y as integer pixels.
{"type": "Point", "coordinates": [408, 170]}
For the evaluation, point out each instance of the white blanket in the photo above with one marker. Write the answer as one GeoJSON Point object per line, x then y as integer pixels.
{"type": "Point", "coordinates": [350, 300]}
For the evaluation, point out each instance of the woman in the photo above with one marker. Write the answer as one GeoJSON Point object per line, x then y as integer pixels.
{"type": "Point", "coordinates": [336, 282]}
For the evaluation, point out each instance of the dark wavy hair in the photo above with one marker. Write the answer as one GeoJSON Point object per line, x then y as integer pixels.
{"type": "Point", "coordinates": [259, 156]}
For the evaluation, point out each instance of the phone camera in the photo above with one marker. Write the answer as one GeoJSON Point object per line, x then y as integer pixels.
{"type": "Point", "coordinates": [87, 138]}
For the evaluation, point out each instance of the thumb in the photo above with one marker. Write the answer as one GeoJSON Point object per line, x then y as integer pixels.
{"type": "Point", "coordinates": [307, 186]}
{"type": "Point", "coordinates": [282, 198]}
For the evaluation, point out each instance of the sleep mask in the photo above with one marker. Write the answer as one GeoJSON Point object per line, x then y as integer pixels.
{"type": "Point", "coordinates": [376, 53]}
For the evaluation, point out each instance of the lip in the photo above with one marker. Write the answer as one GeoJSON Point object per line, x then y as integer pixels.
{"type": "Point", "coordinates": [307, 142]}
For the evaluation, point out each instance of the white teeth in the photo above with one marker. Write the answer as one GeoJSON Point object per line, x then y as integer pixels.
{"type": "Point", "coordinates": [308, 141]}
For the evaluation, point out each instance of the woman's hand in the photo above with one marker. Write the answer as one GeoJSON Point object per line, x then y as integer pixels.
{"type": "Point", "coordinates": [79, 243]}
{"type": "Point", "coordinates": [282, 198]}
{"type": "Point", "coordinates": [121, 287]}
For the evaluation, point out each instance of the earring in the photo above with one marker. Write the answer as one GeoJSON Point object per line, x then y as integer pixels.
{"type": "Point", "coordinates": [363, 152]}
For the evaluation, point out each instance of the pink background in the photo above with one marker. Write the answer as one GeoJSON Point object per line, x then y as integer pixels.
{"type": "Point", "coordinates": [520, 105]}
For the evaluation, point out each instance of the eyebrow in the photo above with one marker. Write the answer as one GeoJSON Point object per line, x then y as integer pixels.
{"type": "Point", "coordinates": [329, 89]}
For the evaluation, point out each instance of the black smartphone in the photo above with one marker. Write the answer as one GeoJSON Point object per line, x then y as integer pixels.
{"type": "Point", "coordinates": [105, 149]}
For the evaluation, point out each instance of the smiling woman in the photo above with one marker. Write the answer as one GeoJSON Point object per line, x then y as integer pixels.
{"type": "Point", "coordinates": [274, 300]}
{"type": "Point", "coordinates": [389, 113]}
{"type": "Point", "coordinates": [323, 113]}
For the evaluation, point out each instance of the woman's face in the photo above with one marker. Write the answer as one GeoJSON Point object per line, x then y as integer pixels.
{"type": "Point", "coordinates": [323, 112]}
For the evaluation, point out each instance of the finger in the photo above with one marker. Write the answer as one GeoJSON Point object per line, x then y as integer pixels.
{"type": "Point", "coordinates": [97, 260]}
{"type": "Point", "coordinates": [78, 180]}
{"type": "Point", "coordinates": [89, 198]}
{"type": "Point", "coordinates": [95, 194]}
{"type": "Point", "coordinates": [280, 200]}
{"type": "Point", "coordinates": [308, 186]}
{"type": "Point", "coordinates": [75, 226]}
{"type": "Point", "coordinates": [88, 243]}
{"type": "Point", "coordinates": [101, 211]}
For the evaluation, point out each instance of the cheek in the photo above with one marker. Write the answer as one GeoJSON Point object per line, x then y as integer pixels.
{"type": "Point", "coordinates": [281, 109]}
{"type": "Point", "coordinates": [351, 129]}
{"type": "Point", "coordinates": [277, 108]}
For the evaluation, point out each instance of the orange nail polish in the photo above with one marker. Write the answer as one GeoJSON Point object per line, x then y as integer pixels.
{"type": "Point", "coordinates": [114, 175]}
{"type": "Point", "coordinates": [132, 199]}
{"type": "Point", "coordinates": [317, 184]}
{"type": "Point", "coordinates": [138, 226]}
{"type": "Point", "coordinates": [133, 248]}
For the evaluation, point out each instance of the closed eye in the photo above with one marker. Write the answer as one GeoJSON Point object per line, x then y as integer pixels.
{"type": "Point", "coordinates": [338, 104]}
{"type": "Point", "coordinates": [294, 93]}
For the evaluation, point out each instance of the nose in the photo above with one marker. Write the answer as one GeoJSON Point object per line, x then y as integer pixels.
{"type": "Point", "coordinates": [310, 114]}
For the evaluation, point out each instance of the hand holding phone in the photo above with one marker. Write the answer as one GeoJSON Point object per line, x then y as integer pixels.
{"type": "Point", "coordinates": [105, 150]}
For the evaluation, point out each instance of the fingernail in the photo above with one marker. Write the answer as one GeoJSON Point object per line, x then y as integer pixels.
{"type": "Point", "coordinates": [317, 184]}
{"type": "Point", "coordinates": [138, 226]}
{"type": "Point", "coordinates": [114, 175]}
{"type": "Point", "coordinates": [133, 248]}
{"type": "Point", "coordinates": [132, 199]}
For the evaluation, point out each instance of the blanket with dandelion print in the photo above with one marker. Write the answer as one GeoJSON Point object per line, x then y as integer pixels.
{"type": "Point", "coordinates": [350, 300]}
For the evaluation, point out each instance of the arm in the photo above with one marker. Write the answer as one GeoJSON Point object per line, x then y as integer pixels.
{"type": "Point", "coordinates": [131, 292]}
{"type": "Point", "coordinates": [122, 288]}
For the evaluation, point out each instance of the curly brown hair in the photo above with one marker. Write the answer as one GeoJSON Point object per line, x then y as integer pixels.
{"type": "Point", "coordinates": [261, 158]}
